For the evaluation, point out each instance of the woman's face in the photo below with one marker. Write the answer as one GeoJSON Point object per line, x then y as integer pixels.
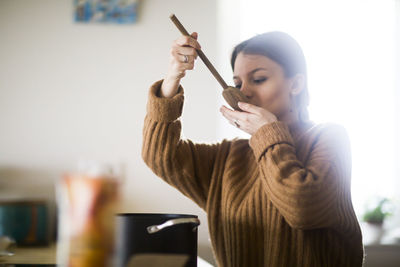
{"type": "Point", "coordinates": [262, 80]}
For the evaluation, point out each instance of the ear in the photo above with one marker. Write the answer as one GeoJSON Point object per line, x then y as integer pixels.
{"type": "Point", "coordinates": [297, 84]}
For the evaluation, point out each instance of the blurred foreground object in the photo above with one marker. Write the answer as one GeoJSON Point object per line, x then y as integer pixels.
{"type": "Point", "coordinates": [87, 202]}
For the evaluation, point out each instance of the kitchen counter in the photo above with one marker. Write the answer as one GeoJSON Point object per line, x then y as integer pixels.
{"type": "Point", "coordinates": [47, 256]}
{"type": "Point", "coordinates": [377, 255]}
{"type": "Point", "coordinates": [31, 255]}
{"type": "Point", "coordinates": [382, 255]}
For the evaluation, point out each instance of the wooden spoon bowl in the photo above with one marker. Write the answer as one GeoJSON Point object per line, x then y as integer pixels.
{"type": "Point", "coordinates": [232, 96]}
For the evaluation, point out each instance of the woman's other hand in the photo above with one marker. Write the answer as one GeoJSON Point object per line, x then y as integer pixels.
{"type": "Point", "coordinates": [182, 58]}
{"type": "Point", "coordinates": [250, 119]}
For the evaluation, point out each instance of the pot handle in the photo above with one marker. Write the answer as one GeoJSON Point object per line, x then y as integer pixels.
{"type": "Point", "coordinates": [155, 228]}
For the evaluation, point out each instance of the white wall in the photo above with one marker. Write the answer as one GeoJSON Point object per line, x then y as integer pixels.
{"type": "Point", "coordinates": [72, 90]}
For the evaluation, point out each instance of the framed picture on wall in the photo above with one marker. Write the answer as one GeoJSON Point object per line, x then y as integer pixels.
{"type": "Point", "coordinates": [105, 11]}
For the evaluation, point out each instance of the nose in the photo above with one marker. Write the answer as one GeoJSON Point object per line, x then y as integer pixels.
{"type": "Point", "coordinates": [246, 90]}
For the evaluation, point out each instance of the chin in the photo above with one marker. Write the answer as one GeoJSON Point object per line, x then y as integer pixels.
{"type": "Point", "coordinates": [273, 110]}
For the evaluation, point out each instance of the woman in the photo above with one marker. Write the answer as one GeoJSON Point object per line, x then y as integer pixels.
{"type": "Point", "coordinates": [280, 198]}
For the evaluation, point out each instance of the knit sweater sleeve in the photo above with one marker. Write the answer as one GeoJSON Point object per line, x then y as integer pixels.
{"type": "Point", "coordinates": [310, 194]}
{"type": "Point", "coordinates": [186, 166]}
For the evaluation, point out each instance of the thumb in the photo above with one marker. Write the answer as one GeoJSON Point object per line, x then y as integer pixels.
{"type": "Point", "coordinates": [194, 35]}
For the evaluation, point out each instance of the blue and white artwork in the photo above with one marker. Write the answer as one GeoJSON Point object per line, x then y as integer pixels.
{"type": "Point", "coordinates": [106, 11]}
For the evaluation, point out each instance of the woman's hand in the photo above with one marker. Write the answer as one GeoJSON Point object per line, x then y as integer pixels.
{"type": "Point", "coordinates": [182, 57]}
{"type": "Point", "coordinates": [250, 119]}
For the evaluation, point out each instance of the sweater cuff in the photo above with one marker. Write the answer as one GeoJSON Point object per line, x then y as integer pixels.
{"type": "Point", "coordinates": [276, 132]}
{"type": "Point", "coordinates": [164, 108]}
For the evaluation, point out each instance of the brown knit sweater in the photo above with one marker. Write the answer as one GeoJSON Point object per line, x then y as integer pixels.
{"type": "Point", "coordinates": [281, 198]}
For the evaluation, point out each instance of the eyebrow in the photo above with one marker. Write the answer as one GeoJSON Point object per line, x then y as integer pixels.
{"type": "Point", "coordinates": [257, 69]}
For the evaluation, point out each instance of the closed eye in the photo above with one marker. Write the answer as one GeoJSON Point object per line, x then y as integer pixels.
{"type": "Point", "coordinates": [259, 81]}
{"type": "Point", "coordinates": [256, 81]}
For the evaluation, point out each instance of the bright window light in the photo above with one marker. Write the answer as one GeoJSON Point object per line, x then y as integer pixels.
{"type": "Point", "coordinates": [350, 49]}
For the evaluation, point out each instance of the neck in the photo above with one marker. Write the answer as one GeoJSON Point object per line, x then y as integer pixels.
{"type": "Point", "coordinates": [294, 123]}
{"type": "Point", "coordinates": [290, 118]}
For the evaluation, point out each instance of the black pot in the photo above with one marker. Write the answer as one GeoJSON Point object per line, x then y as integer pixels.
{"type": "Point", "coordinates": [141, 234]}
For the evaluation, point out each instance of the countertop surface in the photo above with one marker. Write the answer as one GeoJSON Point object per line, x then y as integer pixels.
{"type": "Point", "coordinates": [46, 256]}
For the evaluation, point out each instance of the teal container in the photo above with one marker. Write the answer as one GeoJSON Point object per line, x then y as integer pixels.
{"type": "Point", "coordinates": [24, 221]}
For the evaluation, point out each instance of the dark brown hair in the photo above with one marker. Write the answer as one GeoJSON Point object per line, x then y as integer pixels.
{"type": "Point", "coordinates": [284, 50]}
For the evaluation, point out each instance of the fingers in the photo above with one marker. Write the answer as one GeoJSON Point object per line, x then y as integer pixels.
{"type": "Point", "coordinates": [233, 115]}
{"type": "Point", "coordinates": [184, 46]}
{"type": "Point", "coordinates": [194, 35]}
{"type": "Point", "coordinates": [256, 111]}
{"type": "Point", "coordinates": [183, 55]}
{"type": "Point", "coordinates": [249, 108]}
{"type": "Point", "coordinates": [182, 62]}
{"type": "Point", "coordinates": [188, 41]}
{"type": "Point", "coordinates": [181, 50]}
{"type": "Point", "coordinates": [184, 59]}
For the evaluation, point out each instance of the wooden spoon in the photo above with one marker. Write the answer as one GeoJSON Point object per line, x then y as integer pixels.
{"type": "Point", "coordinates": [231, 94]}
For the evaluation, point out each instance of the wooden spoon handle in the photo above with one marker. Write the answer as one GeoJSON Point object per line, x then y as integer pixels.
{"type": "Point", "coordinates": [200, 53]}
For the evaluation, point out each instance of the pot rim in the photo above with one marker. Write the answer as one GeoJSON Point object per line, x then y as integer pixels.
{"type": "Point", "coordinates": [156, 215]}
